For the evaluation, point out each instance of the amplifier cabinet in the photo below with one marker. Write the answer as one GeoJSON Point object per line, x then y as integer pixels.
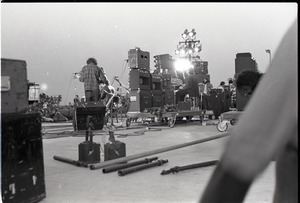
{"type": "Point", "coordinates": [14, 86]}
{"type": "Point", "coordinates": [166, 81]}
{"type": "Point", "coordinates": [22, 166]}
{"type": "Point", "coordinates": [114, 150]}
{"type": "Point", "coordinates": [185, 105]}
{"type": "Point", "coordinates": [139, 59]}
{"type": "Point", "coordinates": [81, 114]}
{"type": "Point", "coordinates": [158, 99]}
{"type": "Point", "coordinates": [156, 81]}
{"type": "Point", "coordinates": [169, 97]}
{"type": "Point", "coordinates": [139, 79]}
{"type": "Point", "coordinates": [89, 152]}
{"type": "Point", "coordinates": [139, 100]}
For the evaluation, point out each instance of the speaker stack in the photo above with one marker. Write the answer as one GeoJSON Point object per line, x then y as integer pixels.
{"type": "Point", "coordinates": [157, 91]}
{"type": "Point", "coordinates": [243, 61]}
{"type": "Point", "coordinates": [140, 94]}
{"type": "Point", "coordinates": [22, 161]}
{"type": "Point", "coordinates": [165, 68]}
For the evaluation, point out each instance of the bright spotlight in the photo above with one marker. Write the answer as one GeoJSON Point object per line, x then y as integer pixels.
{"type": "Point", "coordinates": [44, 87]}
{"type": "Point", "coordinates": [182, 65]}
{"type": "Point", "coordinates": [182, 52]}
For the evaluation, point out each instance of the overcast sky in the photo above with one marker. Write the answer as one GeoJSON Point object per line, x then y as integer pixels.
{"type": "Point", "coordinates": [55, 39]}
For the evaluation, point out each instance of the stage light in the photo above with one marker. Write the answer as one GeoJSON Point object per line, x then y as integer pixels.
{"type": "Point", "coordinates": [192, 33]}
{"type": "Point", "coordinates": [176, 51]}
{"type": "Point", "coordinates": [44, 87]}
{"type": "Point", "coordinates": [185, 34]}
{"type": "Point", "coordinates": [182, 52]}
{"type": "Point", "coordinates": [182, 65]}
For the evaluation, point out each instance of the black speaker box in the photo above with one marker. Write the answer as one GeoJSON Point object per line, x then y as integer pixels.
{"type": "Point", "coordinates": [158, 100]}
{"type": "Point", "coordinates": [169, 97]}
{"type": "Point", "coordinates": [22, 166]}
{"type": "Point", "coordinates": [139, 79]}
{"type": "Point", "coordinates": [114, 150]}
{"type": "Point", "coordinates": [97, 119]}
{"type": "Point", "coordinates": [215, 102]}
{"type": "Point", "coordinates": [139, 59]}
{"type": "Point", "coordinates": [140, 100]}
{"type": "Point", "coordinates": [166, 81]}
{"type": "Point", "coordinates": [156, 81]}
{"type": "Point", "coordinates": [89, 152]}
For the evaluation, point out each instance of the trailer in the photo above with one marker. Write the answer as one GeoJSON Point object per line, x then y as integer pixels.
{"type": "Point", "coordinates": [227, 118]}
{"type": "Point", "coordinates": [169, 117]}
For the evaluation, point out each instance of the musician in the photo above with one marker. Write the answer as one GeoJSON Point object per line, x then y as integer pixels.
{"type": "Point", "coordinates": [106, 91]}
{"type": "Point", "coordinates": [207, 86]}
{"type": "Point", "coordinates": [91, 75]}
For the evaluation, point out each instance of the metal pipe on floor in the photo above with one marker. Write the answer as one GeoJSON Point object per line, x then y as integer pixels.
{"type": "Point", "coordinates": [70, 161]}
{"type": "Point", "coordinates": [161, 150]}
{"type": "Point", "coordinates": [141, 167]}
{"type": "Point", "coordinates": [127, 165]}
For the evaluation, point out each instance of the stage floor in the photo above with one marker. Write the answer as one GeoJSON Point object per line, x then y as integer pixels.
{"type": "Point", "coordinates": [67, 183]}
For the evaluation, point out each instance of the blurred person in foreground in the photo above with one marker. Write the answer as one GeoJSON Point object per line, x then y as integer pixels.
{"type": "Point", "coordinates": [247, 81]}
{"type": "Point", "coordinates": [91, 75]}
{"type": "Point", "coordinates": [266, 131]}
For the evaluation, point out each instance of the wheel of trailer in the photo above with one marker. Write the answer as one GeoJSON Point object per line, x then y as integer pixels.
{"type": "Point", "coordinates": [128, 121]}
{"type": "Point", "coordinates": [222, 126]}
{"type": "Point", "coordinates": [232, 121]}
{"type": "Point", "coordinates": [171, 122]}
{"type": "Point", "coordinates": [179, 118]}
{"type": "Point", "coordinates": [189, 118]}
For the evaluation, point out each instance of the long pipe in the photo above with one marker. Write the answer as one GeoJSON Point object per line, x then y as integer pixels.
{"type": "Point", "coordinates": [127, 165]}
{"type": "Point", "coordinates": [141, 167]}
{"type": "Point", "coordinates": [70, 161]}
{"type": "Point", "coordinates": [157, 151]}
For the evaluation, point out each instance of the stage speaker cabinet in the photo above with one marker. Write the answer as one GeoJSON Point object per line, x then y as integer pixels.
{"type": "Point", "coordinates": [139, 59]}
{"type": "Point", "coordinates": [14, 86]}
{"type": "Point", "coordinates": [22, 161]}
{"type": "Point", "coordinates": [216, 102]}
{"type": "Point", "coordinates": [114, 150]}
{"type": "Point", "coordinates": [95, 109]}
{"type": "Point", "coordinates": [201, 67]}
{"type": "Point", "coordinates": [157, 98]}
{"type": "Point", "coordinates": [156, 81]}
{"type": "Point", "coordinates": [184, 106]}
{"type": "Point", "coordinates": [89, 152]}
{"type": "Point", "coordinates": [244, 61]}
{"type": "Point", "coordinates": [169, 97]}
{"type": "Point", "coordinates": [140, 100]}
{"type": "Point", "coordinates": [139, 79]}
{"type": "Point", "coordinates": [166, 81]}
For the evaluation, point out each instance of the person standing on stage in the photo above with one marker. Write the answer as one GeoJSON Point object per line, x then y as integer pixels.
{"type": "Point", "coordinates": [91, 75]}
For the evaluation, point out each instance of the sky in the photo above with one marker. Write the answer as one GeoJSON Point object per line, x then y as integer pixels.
{"type": "Point", "coordinates": [56, 39]}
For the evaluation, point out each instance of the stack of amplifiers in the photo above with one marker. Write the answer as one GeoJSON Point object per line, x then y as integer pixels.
{"type": "Point", "coordinates": [140, 100]}
{"type": "Point", "coordinates": [139, 79]}
{"type": "Point", "coordinates": [139, 59]}
{"type": "Point", "coordinates": [14, 86]}
{"type": "Point", "coordinates": [169, 97]}
{"type": "Point", "coordinates": [166, 80]}
{"type": "Point", "coordinates": [201, 67]}
{"type": "Point", "coordinates": [95, 109]}
{"type": "Point", "coordinates": [157, 91]}
{"type": "Point", "coordinates": [23, 178]}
